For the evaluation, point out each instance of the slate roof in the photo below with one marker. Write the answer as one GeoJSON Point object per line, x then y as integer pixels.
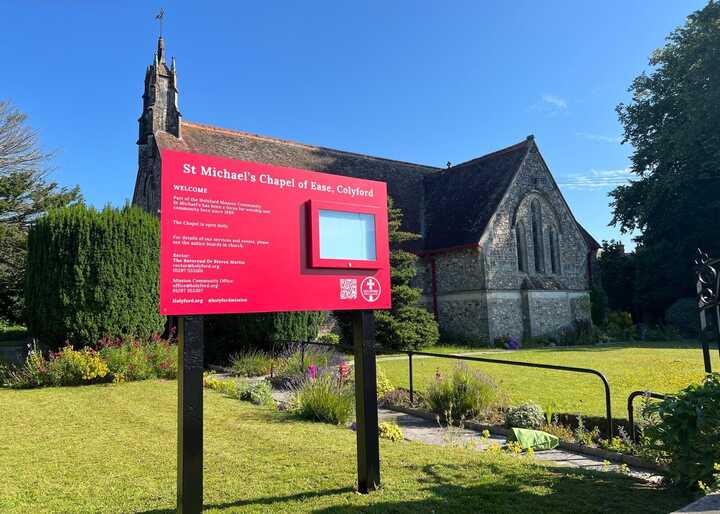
{"type": "Point", "coordinates": [460, 200]}
{"type": "Point", "coordinates": [404, 179]}
{"type": "Point", "coordinates": [450, 207]}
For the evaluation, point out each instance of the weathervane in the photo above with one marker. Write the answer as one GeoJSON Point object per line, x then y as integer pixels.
{"type": "Point", "coordinates": [159, 16]}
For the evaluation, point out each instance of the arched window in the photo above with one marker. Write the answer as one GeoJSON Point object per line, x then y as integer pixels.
{"type": "Point", "coordinates": [537, 235]}
{"type": "Point", "coordinates": [554, 251]}
{"type": "Point", "coordinates": [521, 243]}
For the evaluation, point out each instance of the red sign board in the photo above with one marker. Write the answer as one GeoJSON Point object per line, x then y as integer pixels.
{"type": "Point", "coordinates": [239, 237]}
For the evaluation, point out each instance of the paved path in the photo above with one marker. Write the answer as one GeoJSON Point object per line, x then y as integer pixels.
{"type": "Point", "coordinates": [419, 429]}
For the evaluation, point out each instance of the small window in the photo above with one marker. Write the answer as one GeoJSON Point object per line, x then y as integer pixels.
{"type": "Point", "coordinates": [554, 251]}
{"type": "Point", "coordinates": [537, 235]}
{"type": "Point", "coordinates": [521, 243]}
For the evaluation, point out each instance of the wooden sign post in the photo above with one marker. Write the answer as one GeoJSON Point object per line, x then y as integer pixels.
{"type": "Point", "coordinates": [190, 415]}
{"type": "Point", "coordinates": [366, 414]}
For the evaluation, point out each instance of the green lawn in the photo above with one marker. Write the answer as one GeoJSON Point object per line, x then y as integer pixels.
{"type": "Point", "coordinates": [111, 448]}
{"type": "Point", "coordinates": [662, 367]}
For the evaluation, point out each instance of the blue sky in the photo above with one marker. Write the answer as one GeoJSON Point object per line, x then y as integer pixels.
{"type": "Point", "coordinates": [426, 82]}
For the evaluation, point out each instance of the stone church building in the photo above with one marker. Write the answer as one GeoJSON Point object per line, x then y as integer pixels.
{"type": "Point", "coordinates": [501, 252]}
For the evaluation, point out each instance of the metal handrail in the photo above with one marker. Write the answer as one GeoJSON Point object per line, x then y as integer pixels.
{"type": "Point", "coordinates": [631, 408]}
{"type": "Point", "coordinates": [410, 353]}
{"type": "Point", "coordinates": [606, 384]}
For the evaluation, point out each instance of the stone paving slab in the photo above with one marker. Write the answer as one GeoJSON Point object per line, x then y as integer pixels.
{"type": "Point", "coordinates": [709, 504]}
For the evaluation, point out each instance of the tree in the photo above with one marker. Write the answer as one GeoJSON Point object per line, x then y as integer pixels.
{"type": "Point", "coordinates": [672, 123]}
{"type": "Point", "coordinates": [406, 326]}
{"type": "Point", "coordinates": [25, 193]}
{"type": "Point", "coordinates": [617, 270]}
{"type": "Point", "coordinates": [92, 274]}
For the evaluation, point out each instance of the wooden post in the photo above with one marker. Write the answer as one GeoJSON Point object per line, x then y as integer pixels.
{"type": "Point", "coordinates": [368, 448]}
{"type": "Point", "coordinates": [190, 415]}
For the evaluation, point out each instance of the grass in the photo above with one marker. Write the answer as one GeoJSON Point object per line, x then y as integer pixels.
{"type": "Point", "coordinates": [662, 367]}
{"type": "Point", "coordinates": [111, 448]}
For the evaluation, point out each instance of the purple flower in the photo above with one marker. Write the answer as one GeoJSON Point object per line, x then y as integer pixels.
{"type": "Point", "coordinates": [512, 344]}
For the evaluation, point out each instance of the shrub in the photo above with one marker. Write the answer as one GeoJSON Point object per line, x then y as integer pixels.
{"type": "Point", "coordinates": [325, 398]}
{"type": "Point", "coordinates": [661, 333]}
{"type": "Point", "coordinates": [582, 331]}
{"type": "Point", "coordinates": [228, 387]}
{"type": "Point", "coordinates": [33, 373]}
{"type": "Point", "coordinates": [527, 415]}
{"type": "Point", "coordinates": [92, 274]}
{"type": "Point", "coordinates": [584, 436]}
{"type": "Point", "coordinates": [686, 432]}
{"type": "Point", "coordinates": [259, 393]}
{"type": "Point", "coordinates": [620, 326]}
{"type": "Point", "coordinates": [228, 334]}
{"type": "Point", "coordinates": [400, 397]}
{"type": "Point", "coordinates": [251, 363]}
{"type": "Point", "coordinates": [464, 393]}
{"type": "Point", "coordinates": [683, 315]}
{"type": "Point", "coordinates": [289, 370]}
{"type": "Point", "coordinates": [391, 431]}
{"type": "Point", "coordinates": [140, 360]}
{"type": "Point", "coordinates": [74, 367]}
{"type": "Point", "coordinates": [329, 338]}
{"type": "Point", "coordinates": [384, 385]}
{"type": "Point", "coordinates": [507, 342]}
{"type": "Point", "coordinates": [12, 332]}
{"type": "Point", "coordinates": [598, 305]}
{"type": "Point", "coordinates": [560, 431]}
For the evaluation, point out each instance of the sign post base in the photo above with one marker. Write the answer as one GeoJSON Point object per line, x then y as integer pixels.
{"type": "Point", "coordinates": [368, 450]}
{"type": "Point", "coordinates": [190, 415]}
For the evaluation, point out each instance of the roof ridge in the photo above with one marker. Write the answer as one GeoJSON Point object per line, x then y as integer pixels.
{"type": "Point", "coordinates": [496, 153]}
{"type": "Point", "coordinates": [233, 132]}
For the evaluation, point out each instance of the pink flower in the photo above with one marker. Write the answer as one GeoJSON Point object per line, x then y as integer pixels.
{"type": "Point", "coordinates": [312, 371]}
{"type": "Point", "coordinates": [343, 370]}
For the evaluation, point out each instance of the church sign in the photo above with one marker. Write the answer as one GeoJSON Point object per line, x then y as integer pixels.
{"type": "Point", "coordinates": [245, 237]}
{"type": "Point", "coordinates": [240, 237]}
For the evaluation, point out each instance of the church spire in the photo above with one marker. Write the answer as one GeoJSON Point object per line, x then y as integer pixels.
{"type": "Point", "coordinates": [161, 50]}
{"type": "Point", "coordinates": [160, 98]}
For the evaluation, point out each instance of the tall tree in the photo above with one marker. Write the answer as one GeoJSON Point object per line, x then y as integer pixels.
{"type": "Point", "coordinates": [407, 325]}
{"type": "Point", "coordinates": [672, 123]}
{"type": "Point", "coordinates": [25, 193]}
{"type": "Point", "coordinates": [617, 270]}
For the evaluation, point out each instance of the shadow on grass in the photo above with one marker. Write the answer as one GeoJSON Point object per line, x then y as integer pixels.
{"type": "Point", "coordinates": [268, 500]}
{"type": "Point", "coordinates": [564, 491]}
{"type": "Point", "coordinates": [488, 489]}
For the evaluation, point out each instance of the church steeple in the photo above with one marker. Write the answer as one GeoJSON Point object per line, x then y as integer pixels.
{"type": "Point", "coordinates": [160, 98]}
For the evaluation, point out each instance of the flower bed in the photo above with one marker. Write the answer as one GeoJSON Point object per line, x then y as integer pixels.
{"type": "Point", "coordinates": [114, 360]}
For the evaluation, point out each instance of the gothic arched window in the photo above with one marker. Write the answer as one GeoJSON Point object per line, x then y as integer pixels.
{"type": "Point", "coordinates": [521, 243]}
{"type": "Point", "coordinates": [537, 235]}
{"type": "Point", "coordinates": [554, 251]}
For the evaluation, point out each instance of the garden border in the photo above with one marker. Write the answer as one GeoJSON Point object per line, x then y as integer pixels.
{"type": "Point", "coordinates": [476, 426]}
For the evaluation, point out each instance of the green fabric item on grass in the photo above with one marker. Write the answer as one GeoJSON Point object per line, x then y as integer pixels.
{"type": "Point", "coordinates": [535, 439]}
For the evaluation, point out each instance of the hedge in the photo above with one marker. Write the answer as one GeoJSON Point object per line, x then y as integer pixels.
{"type": "Point", "coordinates": [92, 274]}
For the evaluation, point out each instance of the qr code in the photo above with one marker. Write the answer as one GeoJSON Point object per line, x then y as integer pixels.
{"type": "Point", "coordinates": [348, 289]}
